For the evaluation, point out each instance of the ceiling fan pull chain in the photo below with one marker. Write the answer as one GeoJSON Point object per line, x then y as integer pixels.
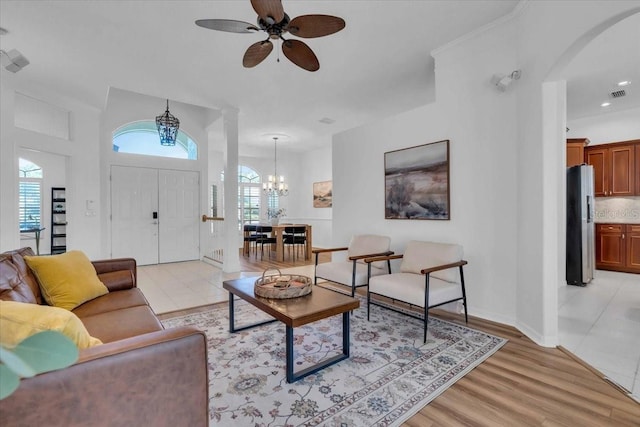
{"type": "Point", "coordinates": [279, 47]}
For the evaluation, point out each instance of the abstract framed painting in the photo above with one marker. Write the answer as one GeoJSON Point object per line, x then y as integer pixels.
{"type": "Point", "coordinates": [417, 182]}
{"type": "Point", "coordinates": [322, 194]}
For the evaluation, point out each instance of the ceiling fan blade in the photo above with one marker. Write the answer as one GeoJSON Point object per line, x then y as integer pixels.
{"type": "Point", "coordinates": [228, 25]}
{"type": "Point", "coordinates": [310, 26]}
{"type": "Point", "coordinates": [300, 54]}
{"type": "Point", "coordinates": [256, 53]}
{"type": "Point", "coordinates": [269, 10]}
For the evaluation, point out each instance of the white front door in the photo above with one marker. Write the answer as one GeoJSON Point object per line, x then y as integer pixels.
{"type": "Point", "coordinates": [134, 199]}
{"type": "Point", "coordinates": [179, 210]}
{"type": "Point", "coordinates": [154, 214]}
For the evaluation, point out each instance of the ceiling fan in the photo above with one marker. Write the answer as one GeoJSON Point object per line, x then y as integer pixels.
{"type": "Point", "coordinates": [273, 21]}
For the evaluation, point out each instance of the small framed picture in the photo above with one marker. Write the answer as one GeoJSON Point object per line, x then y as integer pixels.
{"type": "Point", "coordinates": [322, 197]}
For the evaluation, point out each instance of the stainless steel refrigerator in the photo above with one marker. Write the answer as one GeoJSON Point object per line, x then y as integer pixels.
{"type": "Point", "coordinates": [580, 225]}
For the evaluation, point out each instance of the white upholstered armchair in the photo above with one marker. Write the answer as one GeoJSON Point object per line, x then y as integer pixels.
{"type": "Point", "coordinates": [353, 272]}
{"type": "Point", "coordinates": [430, 276]}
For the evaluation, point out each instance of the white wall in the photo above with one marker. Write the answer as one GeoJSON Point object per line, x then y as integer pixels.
{"type": "Point", "coordinates": [54, 175]}
{"type": "Point", "coordinates": [9, 223]}
{"type": "Point", "coordinates": [300, 170]}
{"type": "Point", "coordinates": [506, 173]}
{"type": "Point", "coordinates": [483, 176]}
{"type": "Point", "coordinates": [606, 128]}
{"type": "Point", "coordinates": [313, 166]}
{"type": "Point", "coordinates": [543, 52]}
{"type": "Point", "coordinates": [82, 173]}
{"type": "Point", "coordinates": [124, 107]}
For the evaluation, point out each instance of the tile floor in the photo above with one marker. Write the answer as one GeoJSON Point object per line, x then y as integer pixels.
{"type": "Point", "coordinates": [181, 285]}
{"type": "Point", "coordinates": [600, 323]}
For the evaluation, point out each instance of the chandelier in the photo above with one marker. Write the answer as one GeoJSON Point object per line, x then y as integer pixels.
{"type": "Point", "coordinates": [167, 127]}
{"type": "Point", "coordinates": [275, 185]}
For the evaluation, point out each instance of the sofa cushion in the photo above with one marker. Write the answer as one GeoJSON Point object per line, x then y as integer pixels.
{"type": "Point", "coordinates": [20, 320]}
{"type": "Point", "coordinates": [366, 244]}
{"type": "Point", "coordinates": [421, 255]}
{"type": "Point", "coordinates": [342, 272]}
{"type": "Point", "coordinates": [410, 288]}
{"type": "Point", "coordinates": [66, 280]}
{"type": "Point", "coordinates": [119, 324]}
{"type": "Point", "coordinates": [112, 301]}
{"type": "Point", "coordinates": [26, 274]}
{"type": "Point", "coordinates": [12, 287]}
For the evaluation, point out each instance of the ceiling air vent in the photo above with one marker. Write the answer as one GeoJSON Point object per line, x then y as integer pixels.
{"type": "Point", "coordinates": [618, 93]}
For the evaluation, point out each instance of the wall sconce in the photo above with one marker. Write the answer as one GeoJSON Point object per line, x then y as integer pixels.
{"type": "Point", "coordinates": [502, 81]}
{"type": "Point", "coordinates": [13, 60]}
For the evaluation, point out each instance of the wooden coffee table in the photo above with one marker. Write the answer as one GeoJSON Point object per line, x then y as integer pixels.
{"type": "Point", "coordinates": [293, 312]}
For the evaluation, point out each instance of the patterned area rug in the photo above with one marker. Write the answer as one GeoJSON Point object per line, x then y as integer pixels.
{"type": "Point", "coordinates": [389, 376]}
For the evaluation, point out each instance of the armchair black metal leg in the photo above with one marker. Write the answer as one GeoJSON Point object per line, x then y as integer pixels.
{"type": "Point", "coordinates": [426, 323]}
{"type": "Point", "coordinates": [368, 303]}
{"type": "Point", "coordinates": [426, 306]}
{"type": "Point", "coordinates": [353, 280]}
{"type": "Point", "coordinates": [464, 296]}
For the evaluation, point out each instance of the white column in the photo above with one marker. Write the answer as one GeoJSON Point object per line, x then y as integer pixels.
{"type": "Point", "coordinates": [231, 244]}
{"type": "Point", "coordinates": [554, 207]}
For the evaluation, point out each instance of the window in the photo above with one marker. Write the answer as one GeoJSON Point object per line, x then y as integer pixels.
{"type": "Point", "coordinates": [248, 196]}
{"type": "Point", "coordinates": [142, 138]}
{"type": "Point", "coordinates": [214, 200]}
{"type": "Point", "coordinates": [30, 194]}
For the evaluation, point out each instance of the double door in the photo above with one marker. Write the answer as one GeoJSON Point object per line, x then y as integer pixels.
{"type": "Point", "coordinates": [154, 214]}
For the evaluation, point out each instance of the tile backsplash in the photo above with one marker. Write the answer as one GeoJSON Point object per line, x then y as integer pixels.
{"type": "Point", "coordinates": [617, 210]}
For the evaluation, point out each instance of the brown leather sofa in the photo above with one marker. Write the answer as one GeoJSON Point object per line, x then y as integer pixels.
{"type": "Point", "coordinates": [143, 374]}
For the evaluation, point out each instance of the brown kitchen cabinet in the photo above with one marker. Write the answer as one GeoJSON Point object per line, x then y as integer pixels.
{"type": "Point", "coordinates": [575, 151]}
{"type": "Point", "coordinates": [633, 247]}
{"type": "Point", "coordinates": [614, 168]}
{"type": "Point", "coordinates": [618, 247]}
{"type": "Point", "coordinates": [638, 169]}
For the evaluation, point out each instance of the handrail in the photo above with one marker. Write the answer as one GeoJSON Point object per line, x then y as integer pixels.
{"type": "Point", "coordinates": [211, 218]}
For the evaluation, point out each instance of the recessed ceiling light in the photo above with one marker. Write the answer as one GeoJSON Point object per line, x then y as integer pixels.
{"type": "Point", "coordinates": [605, 104]}
{"type": "Point", "coordinates": [624, 83]}
{"type": "Point", "coordinates": [326, 120]}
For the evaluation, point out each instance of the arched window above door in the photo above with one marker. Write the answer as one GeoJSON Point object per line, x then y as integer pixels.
{"type": "Point", "coordinates": [142, 138]}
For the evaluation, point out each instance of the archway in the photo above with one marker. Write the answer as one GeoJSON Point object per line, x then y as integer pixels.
{"type": "Point", "coordinates": [554, 103]}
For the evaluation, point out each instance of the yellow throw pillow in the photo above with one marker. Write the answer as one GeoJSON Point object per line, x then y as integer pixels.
{"type": "Point", "coordinates": [66, 280]}
{"type": "Point", "coordinates": [20, 320]}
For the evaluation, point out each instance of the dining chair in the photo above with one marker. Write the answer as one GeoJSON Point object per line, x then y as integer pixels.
{"type": "Point", "coordinates": [265, 237]}
{"type": "Point", "coordinates": [250, 238]}
{"type": "Point", "coordinates": [295, 236]}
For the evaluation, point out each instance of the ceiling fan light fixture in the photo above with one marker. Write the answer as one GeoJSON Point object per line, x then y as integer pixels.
{"type": "Point", "coordinates": [275, 22]}
{"type": "Point", "coordinates": [168, 126]}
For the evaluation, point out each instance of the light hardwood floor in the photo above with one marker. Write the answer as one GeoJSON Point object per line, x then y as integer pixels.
{"type": "Point", "coordinates": [522, 384]}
